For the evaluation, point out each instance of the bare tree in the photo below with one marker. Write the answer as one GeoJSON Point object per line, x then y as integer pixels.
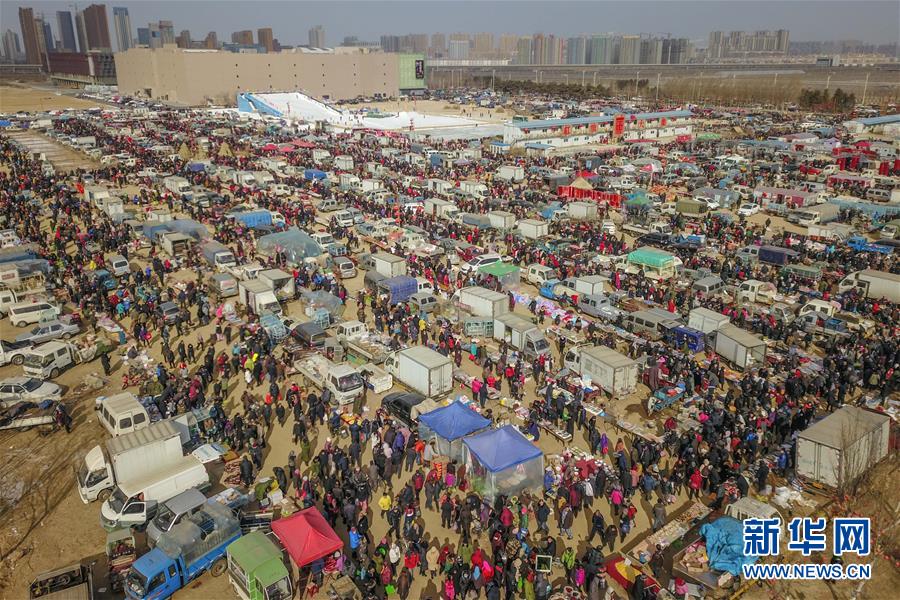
{"type": "Point", "coordinates": [857, 451]}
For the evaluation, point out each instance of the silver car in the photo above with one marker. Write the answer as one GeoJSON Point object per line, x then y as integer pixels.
{"type": "Point", "coordinates": [18, 389]}
{"type": "Point", "coordinates": [44, 332]}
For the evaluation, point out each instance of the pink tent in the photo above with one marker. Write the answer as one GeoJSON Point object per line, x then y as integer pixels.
{"type": "Point", "coordinates": [270, 146]}
{"type": "Point", "coordinates": [307, 536]}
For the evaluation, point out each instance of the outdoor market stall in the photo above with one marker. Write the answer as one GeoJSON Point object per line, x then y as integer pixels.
{"type": "Point", "coordinates": [503, 462]}
{"type": "Point", "coordinates": [448, 426]}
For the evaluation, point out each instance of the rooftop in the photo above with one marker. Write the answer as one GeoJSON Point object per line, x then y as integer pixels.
{"type": "Point", "coordinates": [541, 124]}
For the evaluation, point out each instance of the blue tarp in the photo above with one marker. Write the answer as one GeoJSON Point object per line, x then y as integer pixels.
{"type": "Point", "coordinates": [725, 545]}
{"type": "Point", "coordinates": [502, 448]}
{"type": "Point", "coordinates": [454, 421]}
{"type": "Point", "coordinates": [314, 174]}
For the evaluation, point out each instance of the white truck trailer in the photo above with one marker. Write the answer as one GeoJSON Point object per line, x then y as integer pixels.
{"type": "Point", "coordinates": [614, 372]}
{"type": "Point", "coordinates": [259, 297]}
{"type": "Point", "coordinates": [482, 302]}
{"type": "Point", "coordinates": [124, 457]}
{"type": "Point", "coordinates": [873, 284]}
{"type": "Point", "coordinates": [428, 372]}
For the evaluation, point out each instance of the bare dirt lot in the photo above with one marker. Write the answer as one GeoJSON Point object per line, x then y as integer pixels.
{"type": "Point", "coordinates": [15, 97]}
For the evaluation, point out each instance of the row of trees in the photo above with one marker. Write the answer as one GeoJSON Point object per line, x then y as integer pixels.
{"type": "Point", "coordinates": [839, 102]}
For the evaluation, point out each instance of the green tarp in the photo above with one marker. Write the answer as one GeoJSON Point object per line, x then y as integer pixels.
{"type": "Point", "coordinates": [498, 269]}
{"type": "Point", "coordinates": [652, 257]}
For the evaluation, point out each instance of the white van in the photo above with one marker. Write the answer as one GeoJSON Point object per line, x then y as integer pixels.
{"type": "Point", "coordinates": [118, 265]}
{"type": "Point", "coordinates": [423, 285]}
{"type": "Point", "coordinates": [122, 413]}
{"type": "Point", "coordinates": [25, 313]}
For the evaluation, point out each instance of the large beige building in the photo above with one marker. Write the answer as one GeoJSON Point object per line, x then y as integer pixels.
{"type": "Point", "coordinates": [195, 77]}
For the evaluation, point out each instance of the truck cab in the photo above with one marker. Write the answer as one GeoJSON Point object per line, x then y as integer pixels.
{"type": "Point", "coordinates": [48, 360]}
{"type": "Point", "coordinates": [194, 546]}
{"type": "Point", "coordinates": [753, 290]}
{"type": "Point", "coordinates": [537, 274]}
{"type": "Point", "coordinates": [820, 306]}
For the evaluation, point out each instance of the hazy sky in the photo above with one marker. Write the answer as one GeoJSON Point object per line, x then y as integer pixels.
{"type": "Point", "coordinates": [873, 21]}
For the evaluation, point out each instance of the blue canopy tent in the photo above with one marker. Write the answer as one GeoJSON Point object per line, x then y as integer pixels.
{"type": "Point", "coordinates": [448, 425]}
{"type": "Point", "coordinates": [502, 462]}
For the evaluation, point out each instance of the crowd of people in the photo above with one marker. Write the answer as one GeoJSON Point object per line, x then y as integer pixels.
{"type": "Point", "coordinates": [370, 474]}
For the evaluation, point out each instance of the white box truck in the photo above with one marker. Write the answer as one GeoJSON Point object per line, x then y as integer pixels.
{"type": "Point", "coordinates": [873, 284]}
{"type": "Point", "coordinates": [482, 302]}
{"type": "Point", "coordinates": [706, 320]}
{"type": "Point", "coordinates": [124, 457]}
{"type": "Point", "coordinates": [177, 185]}
{"type": "Point", "coordinates": [440, 208]}
{"type": "Point", "coordinates": [280, 282]}
{"type": "Point", "coordinates": [841, 447]}
{"type": "Point", "coordinates": [475, 188]}
{"type": "Point", "coordinates": [740, 347]}
{"type": "Point", "coordinates": [581, 210]}
{"type": "Point", "coordinates": [344, 382]}
{"type": "Point", "coordinates": [614, 372]}
{"type": "Point", "coordinates": [389, 265]}
{"type": "Point", "coordinates": [348, 181]}
{"type": "Point", "coordinates": [343, 162]}
{"type": "Point", "coordinates": [428, 372]}
{"type": "Point", "coordinates": [533, 229]}
{"type": "Point", "coordinates": [259, 297]}
{"type": "Point", "coordinates": [511, 173]}
{"type": "Point", "coordinates": [521, 334]}
{"type": "Point", "coordinates": [133, 502]}
{"type": "Point", "coordinates": [217, 255]}
{"type": "Point", "coordinates": [502, 220]}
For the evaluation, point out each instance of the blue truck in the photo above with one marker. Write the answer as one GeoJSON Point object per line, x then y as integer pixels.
{"type": "Point", "coordinates": [253, 218]}
{"type": "Point", "coordinates": [185, 552]}
{"type": "Point", "coordinates": [398, 288]}
{"type": "Point", "coordinates": [861, 244]}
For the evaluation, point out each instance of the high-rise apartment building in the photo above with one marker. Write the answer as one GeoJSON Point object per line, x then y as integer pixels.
{"type": "Point", "coordinates": [47, 32]}
{"type": "Point", "coordinates": [508, 45]}
{"type": "Point", "coordinates": [143, 36]}
{"type": "Point", "coordinates": [122, 25]}
{"type": "Point", "coordinates": [747, 43]}
{"type": "Point", "coordinates": [524, 51]}
{"type": "Point", "coordinates": [30, 36]}
{"type": "Point", "coordinates": [459, 50]}
{"type": "Point", "coordinates": [244, 38]}
{"type": "Point", "coordinates": [155, 36]}
{"type": "Point", "coordinates": [11, 49]}
{"type": "Point", "coordinates": [576, 50]}
{"type": "Point", "coordinates": [212, 41]}
{"type": "Point", "coordinates": [80, 31]}
{"type": "Point", "coordinates": [483, 44]}
{"type": "Point", "coordinates": [438, 45]}
{"type": "Point", "coordinates": [184, 39]}
{"type": "Point", "coordinates": [66, 31]}
{"type": "Point", "coordinates": [266, 39]}
{"type": "Point", "coordinates": [166, 32]}
{"type": "Point", "coordinates": [316, 37]}
{"type": "Point", "coordinates": [630, 50]}
{"type": "Point", "coordinates": [96, 28]}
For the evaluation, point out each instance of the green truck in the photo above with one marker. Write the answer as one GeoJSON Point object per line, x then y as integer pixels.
{"type": "Point", "coordinates": [256, 568]}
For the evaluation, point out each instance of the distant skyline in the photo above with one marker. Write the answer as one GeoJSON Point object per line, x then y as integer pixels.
{"type": "Point", "coordinates": [872, 21]}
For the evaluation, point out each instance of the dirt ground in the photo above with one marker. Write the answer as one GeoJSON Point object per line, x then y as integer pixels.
{"type": "Point", "coordinates": [25, 96]}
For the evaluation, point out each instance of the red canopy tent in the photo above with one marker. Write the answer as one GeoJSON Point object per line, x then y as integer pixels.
{"type": "Point", "coordinates": [307, 536]}
{"type": "Point", "coordinates": [269, 147]}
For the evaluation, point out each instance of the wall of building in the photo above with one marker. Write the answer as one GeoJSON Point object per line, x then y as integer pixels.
{"type": "Point", "coordinates": [580, 134]}
{"type": "Point", "coordinates": [192, 77]}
